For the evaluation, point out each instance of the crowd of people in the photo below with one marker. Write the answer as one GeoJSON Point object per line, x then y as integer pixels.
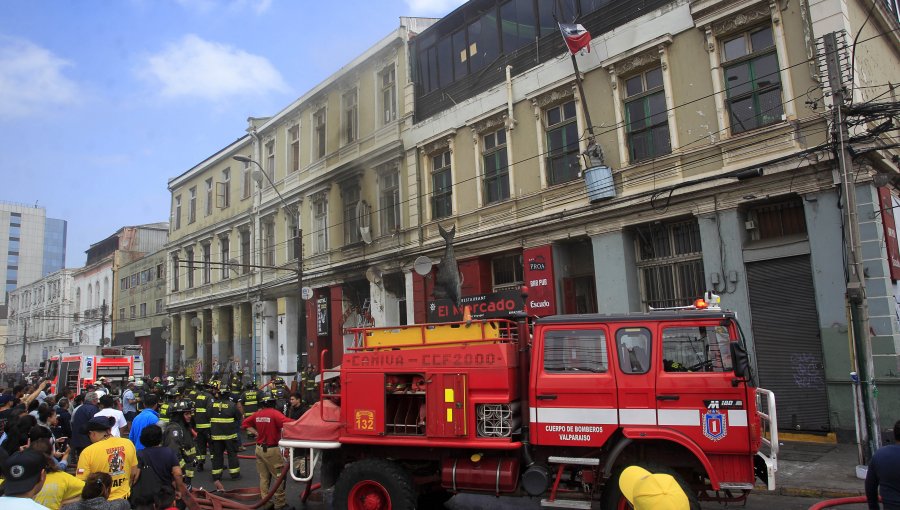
{"type": "Point", "coordinates": [139, 448]}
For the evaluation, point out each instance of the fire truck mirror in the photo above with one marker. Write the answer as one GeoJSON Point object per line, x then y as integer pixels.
{"type": "Point", "coordinates": [741, 360]}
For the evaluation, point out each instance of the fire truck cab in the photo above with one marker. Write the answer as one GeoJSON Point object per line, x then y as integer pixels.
{"type": "Point", "coordinates": [553, 409]}
{"type": "Point", "coordinates": [77, 371]}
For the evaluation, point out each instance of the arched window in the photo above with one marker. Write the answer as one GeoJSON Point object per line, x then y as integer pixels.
{"type": "Point", "coordinates": [90, 297]}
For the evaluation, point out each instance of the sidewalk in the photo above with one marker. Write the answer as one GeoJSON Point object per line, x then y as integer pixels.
{"type": "Point", "coordinates": [817, 470]}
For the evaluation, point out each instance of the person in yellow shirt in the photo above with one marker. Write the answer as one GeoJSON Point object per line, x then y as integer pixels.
{"type": "Point", "coordinates": [59, 488]}
{"type": "Point", "coordinates": [109, 454]}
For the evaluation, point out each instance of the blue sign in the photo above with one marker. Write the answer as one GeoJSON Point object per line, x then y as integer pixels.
{"type": "Point", "coordinates": [714, 426]}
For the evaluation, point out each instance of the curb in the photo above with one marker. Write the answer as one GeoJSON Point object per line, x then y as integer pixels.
{"type": "Point", "coordinates": [811, 492]}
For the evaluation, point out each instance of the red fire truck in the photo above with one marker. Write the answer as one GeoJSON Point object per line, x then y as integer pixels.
{"type": "Point", "coordinates": [79, 370]}
{"type": "Point", "coordinates": [554, 408]}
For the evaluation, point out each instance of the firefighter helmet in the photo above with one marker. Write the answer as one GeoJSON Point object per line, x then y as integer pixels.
{"type": "Point", "coordinates": [172, 391]}
{"type": "Point", "coordinates": [170, 379]}
{"type": "Point", "coordinates": [277, 381]}
{"type": "Point", "coordinates": [183, 406]}
{"type": "Point", "coordinates": [268, 398]}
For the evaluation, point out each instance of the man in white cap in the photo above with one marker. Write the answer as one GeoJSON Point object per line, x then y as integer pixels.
{"type": "Point", "coordinates": [25, 476]}
{"type": "Point", "coordinates": [648, 491]}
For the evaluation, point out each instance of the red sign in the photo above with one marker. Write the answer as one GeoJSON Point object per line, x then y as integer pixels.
{"type": "Point", "coordinates": [890, 230]}
{"type": "Point", "coordinates": [498, 305]}
{"type": "Point", "coordinates": [539, 280]}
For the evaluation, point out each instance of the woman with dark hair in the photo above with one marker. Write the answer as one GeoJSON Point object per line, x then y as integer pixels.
{"type": "Point", "coordinates": [17, 429]}
{"type": "Point", "coordinates": [40, 431]}
{"type": "Point", "coordinates": [95, 493]}
{"type": "Point", "coordinates": [59, 487]}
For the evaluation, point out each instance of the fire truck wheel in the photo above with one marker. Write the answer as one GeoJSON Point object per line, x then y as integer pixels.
{"type": "Point", "coordinates": [374, 484]}
{"type": "Point", "coordinates": [613, 499]}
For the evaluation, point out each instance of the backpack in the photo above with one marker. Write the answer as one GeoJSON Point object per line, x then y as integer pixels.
{"type": "Point", "coordinates": [148, 485]}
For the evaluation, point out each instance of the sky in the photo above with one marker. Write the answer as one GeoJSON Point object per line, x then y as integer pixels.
{"type": "Point", "coordinates": [103, 101]}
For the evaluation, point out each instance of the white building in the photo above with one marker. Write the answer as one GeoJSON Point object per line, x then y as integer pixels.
{"type": "Point", "coordinates": [41, 313]}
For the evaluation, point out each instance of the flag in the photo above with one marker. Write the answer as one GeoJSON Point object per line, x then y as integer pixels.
{"type": "Point", "coordinates": [576, 36]}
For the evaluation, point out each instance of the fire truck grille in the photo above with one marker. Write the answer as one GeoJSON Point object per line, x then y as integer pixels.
{"type": "Point", "coordinates": [497, 420]}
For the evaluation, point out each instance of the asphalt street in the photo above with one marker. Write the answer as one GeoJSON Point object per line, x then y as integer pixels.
{"type": "Point", "coordinates": [757, 501]}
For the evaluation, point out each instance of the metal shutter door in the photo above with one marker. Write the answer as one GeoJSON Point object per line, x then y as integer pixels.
{"type": "Point", "coordinates": [787, 342]}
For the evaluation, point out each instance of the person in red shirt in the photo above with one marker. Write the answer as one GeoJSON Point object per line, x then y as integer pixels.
{"type": "Point", "coordinates": [267, 422]}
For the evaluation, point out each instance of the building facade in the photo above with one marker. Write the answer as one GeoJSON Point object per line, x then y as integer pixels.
{"type": "Point", "coordinates": [139, 311]}
{"type": "Point", "coordinates": [95, 283]}
{"type": "Point", "coordinates": [241, 248]}
{"type": "Point", "coordinates": [31, 246]}
{"type": "Point", "coordinates": [40, 321]}
{"type": "Point", "coordinates": [722, 175]}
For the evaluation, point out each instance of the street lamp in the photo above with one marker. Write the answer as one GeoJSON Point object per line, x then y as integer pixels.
{"type": "Point", "coordinates": [294, 211]}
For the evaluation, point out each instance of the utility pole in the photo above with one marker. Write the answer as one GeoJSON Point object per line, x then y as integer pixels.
{"type": "Point", "coordinates": [301, 318]}
{"type": "Point", "coordinates": [857, 301]}
{"type": "Point", "coordinates": [24, 337]}
{"type": "Point", "coordinates": [102, 322]}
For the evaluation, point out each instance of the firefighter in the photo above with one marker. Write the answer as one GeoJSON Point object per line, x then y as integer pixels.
{"type": "Point", "coordinates": [172, 396]}
{"type": "Point", "coordinates": [237, 382]}
{"type": "Point", "coordinates": [281, 393]}
{"type": "Point", "coordinates": [267, 424]}
{"type": "Point", "coordinates": [202, 402]}
{"type": "Point", "coordinates": [222, 417]}
{"type": "Point", "coordinates": [180, 439]}
{"type": "Point", "coordinates": [308, 386]}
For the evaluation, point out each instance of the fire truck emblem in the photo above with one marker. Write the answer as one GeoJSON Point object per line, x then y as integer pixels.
{"type": "Point", "coordinates": [714, 426]}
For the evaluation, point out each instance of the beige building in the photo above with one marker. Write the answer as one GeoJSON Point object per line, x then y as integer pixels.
{"type": "Point", "coordinates": [335, 157]}
{"type": "Point", "coordinates": [713, 117]}
{"type": "Point", "coordinates": [139, 309]}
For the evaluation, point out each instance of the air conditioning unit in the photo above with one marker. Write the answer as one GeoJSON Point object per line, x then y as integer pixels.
{"type": "Point", "coordinates": [750, 225]}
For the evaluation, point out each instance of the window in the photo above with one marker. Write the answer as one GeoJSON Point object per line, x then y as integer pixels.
{"type": "Point", "coordinates": [496, 171]}
{"type": "Point", "coordinates": [517, 24]}
{"type": "Point", "coordinates": [294, 136]}
{"type": "Point", "coordinates": [175, 272]}
{"type": "Point", "coordinates": [320, 225]}
{"type": "Point", "coordinates": [207, 263]}
{"type": "Point", "coordinates": [646, 116]}
{"type": "Point", "coordinates": [270, 162]}
{"type": "Point", "coordinates": [319, 132]}
{"type": "Point", "coordinates": [143, 309]}
{"type": "Point", "coordinates": [159, 306]}
{"type": "Point", "coordinates": [293, 230]}
{"type": "Point", "coordinates": [388, 79]}
{"type": "Point", "coordinates": [350, 196]}
{"type": "Point", "coordinates": [634, 346]}
{"type": "Point", "coordinates": [696, 349]}
{"type": "Point", "coordinates": [752, 80]}
{"type": "Point", "coordinates": [563, 164]}
{"type": "Point", "coordinates": [441, 186]}
{"type": "Point", "coordinates": [670, 263]}
{"type": "Point", "coordinates": [192, 205]}
{"type": "Point", "coordinates": [226, 267]}
{"type": "Point", "coordinates": [484, 42]}
{"type": "Point", "coordinates": [123, 283]}
{"type": "Point", "coordinates": [121, 314]}
{"type": "Point", "coordinates": [209, 196]}
{"type": "Point", "coordinates": [189, 254]}
{"type": "Point", "coordinates": [159, 271]}
{"type": "Point", "coordinates": [268, 236]}
{"type": "Point", "coordinates": [133, 311]}
{"type": "Point", "coordinates": [245, 251]}
{"type": "Point", "coordinates": [508, 272]}
{"type": "Point", "coordinates": [223, 192]}
{"type": "Point", "coordinates": [389, 200]}
{"type": "Point", "coordinates": [575, 351]}
{"type": "Point", "coordinates": [772, 221]}
{"type": "Point", "coordinates": [348, 100]}
{"type": "Point", "coordinates": [245, 181]}
{"type": "Point", "coordinates": [460, 57]}
{"type": "Point", "coordinates": [177, 212]}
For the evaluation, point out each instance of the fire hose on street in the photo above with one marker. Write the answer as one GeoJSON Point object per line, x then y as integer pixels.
{"type": "Point", "coordinates": [244, 498]}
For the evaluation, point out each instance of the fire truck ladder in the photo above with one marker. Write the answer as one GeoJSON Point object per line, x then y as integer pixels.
{"type": "Point", "coordinates": [364, 319]}
{"type": "Point", "coordinates": [562, 462]}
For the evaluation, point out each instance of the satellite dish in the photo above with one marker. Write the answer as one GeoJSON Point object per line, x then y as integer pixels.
{"type": "Point", "coordinates": [165, 335]}
{"type": "Point", "coordinates": [166, 322]}
{"type": "Point", "coordinates": [422, 265]}
{"type": "Point", "coordinates": [362, 221]}
{"type": "Point", "coordinates": [195, 322]}
{"type": "Point", "coordinates": [374, 274]}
